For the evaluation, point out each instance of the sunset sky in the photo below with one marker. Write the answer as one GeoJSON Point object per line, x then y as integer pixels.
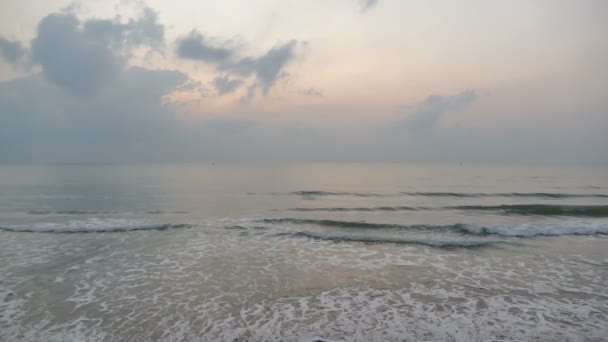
{"type": "Point", "coordinates": [318, 80]}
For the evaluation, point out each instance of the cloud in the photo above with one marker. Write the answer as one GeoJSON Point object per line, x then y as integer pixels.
{"type": "Point", "coordinates": [366, 5]}
{"type": "Point", "coordinates": [423, 118]}
{"type": "Point", "coordinates": [83, 57]}
{"type": "Point", "coordinates": [267, 68]}
{"type": "Point", "coordinates": [197, 47]}
{"type": "Point", "coordinates": [86, 104]}
{"type": "Point", "coordinates": [13, 52]}
{"type": "Point", "coordinates": [311, 92]}
{"type": "Point", "coordinates": [246, 99]}
{"type": "Point", "coordinates": [125, 121]}
{"type": "Point", "coordinates": [225, 85]}
{"type": "Point", "coordinates": [131, 121]}
{"type": "Point", "coordinates": [145, 30]}
{"type": "Point", "coordinates": [72, 60]}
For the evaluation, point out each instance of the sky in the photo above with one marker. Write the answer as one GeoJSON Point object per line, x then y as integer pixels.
{"type": "Point", "coordinates": [304, 81]}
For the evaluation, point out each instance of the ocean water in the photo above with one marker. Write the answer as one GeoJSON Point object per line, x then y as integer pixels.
{"type": "Point", "coordinates": [342, 252]}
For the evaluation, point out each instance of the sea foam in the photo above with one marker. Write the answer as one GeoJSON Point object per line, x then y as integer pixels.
{"type": "Point", "coordinates": [92, 225]}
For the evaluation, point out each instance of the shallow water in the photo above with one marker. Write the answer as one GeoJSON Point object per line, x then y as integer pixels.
{"type": "Point", "coordinates": [294, 252]}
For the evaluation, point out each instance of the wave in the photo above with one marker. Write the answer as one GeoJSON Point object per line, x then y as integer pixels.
{"type": "Point", "coordinates": [520, 230]}
{"type": "Point", "coordinates": [331, 223]}
{"type": "Point", "coordinates": [95, 212]}
{"type": "Point", "coordinates": [525, 230]}
{"type": "Point", "coordinates": [508, 209]}
{"type": "Point", "coordinates": [90, 226]}
{"type": "Point", "coordinates": [505, 230]}
{"type": "Point", "coordinates": [542, 209]}
{"type": "Point", "coordinates": [364, 225]}
{"type": "Point", "coordinates": [154, 212]}
{"type": "Point", "coordinates": [331, 193]}
{"type": "Point", "coordinates": [446, 244]}
{"type": "Point", "coordinates": [504, 194]}
{"type": "Point", "coordinates": [384, 208]}
{"type": "Point", "coordinates": [447, 194]}
{"type": "Point", "coordinates": [68, 212]}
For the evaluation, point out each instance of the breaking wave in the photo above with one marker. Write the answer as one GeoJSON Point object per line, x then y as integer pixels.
{"type": "Point", "coordinates": [90, 226]}
{"type": "Point", "coordinates": [524, 230]}
{"type": "Point", "coordinates": [278, 226]}
{"type": "Point", "coordinates": [331, 223]}
{"type": "Point", "coordinates": [96, 212]}
{"type": "Point", "coordinates": [542, 209]}
{"type": "Point", "coordinates": [447, 244]}
{"type": "Point", "coordinates": [505, 230]}
{"type": "Point", "coordinates": [68, 212]}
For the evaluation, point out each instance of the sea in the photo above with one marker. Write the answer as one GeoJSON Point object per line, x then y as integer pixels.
{"type": "Point", "coordinates": [303, 252]}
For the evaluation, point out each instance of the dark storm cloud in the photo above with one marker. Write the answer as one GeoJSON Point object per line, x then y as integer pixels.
{"type": "Point", "coordinates": [226, 85]}
{"type": "Point", "coordinates": [13, 52]}
{"type": "Point", "coordinates": [425, 116]}
{"type": "Point", "coordinates": [267, 69]}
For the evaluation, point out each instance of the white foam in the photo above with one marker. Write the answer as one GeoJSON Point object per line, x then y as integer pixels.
{"type": "Point", "coordinates": [84, 226]}
{"type": "Point", "coordinates": [11, 308]}
{"type": "Point", "coordinates": [218, 285]}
